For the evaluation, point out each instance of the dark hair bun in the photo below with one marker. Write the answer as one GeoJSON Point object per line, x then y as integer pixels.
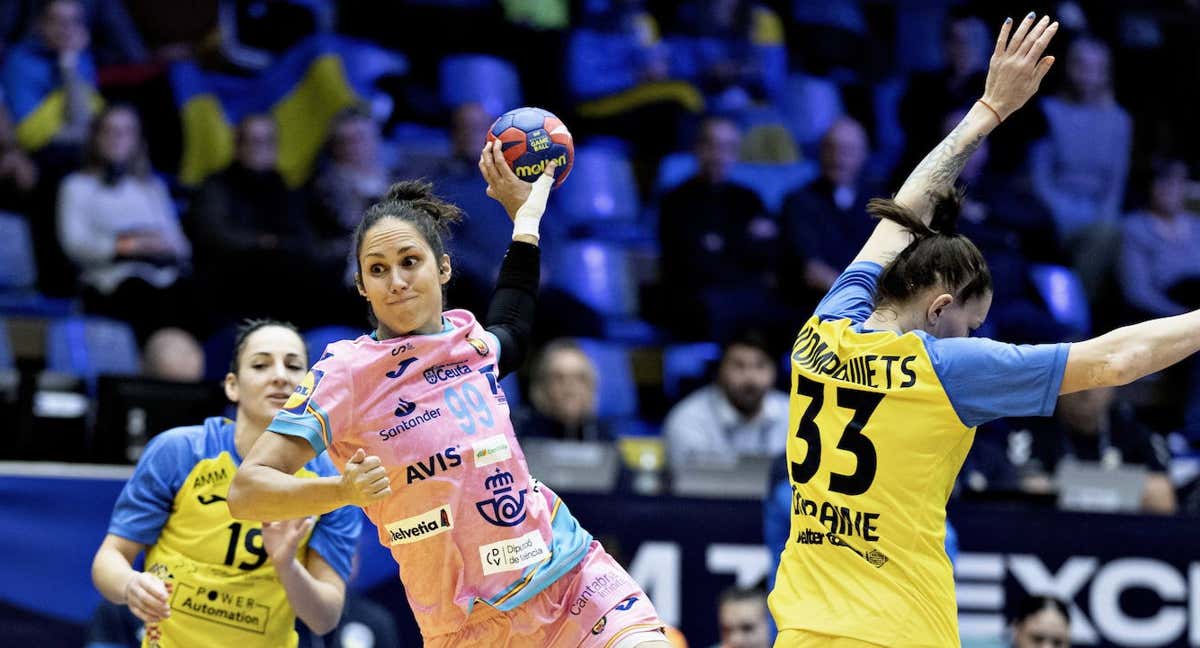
{"type": "Point", "coordinates": [418, 195]}
{"type": "Point", "coordinates": [407, 190]}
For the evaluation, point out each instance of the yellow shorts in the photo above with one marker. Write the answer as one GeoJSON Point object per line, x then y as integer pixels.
{"type": "Point", "coordinates": [803, 639]}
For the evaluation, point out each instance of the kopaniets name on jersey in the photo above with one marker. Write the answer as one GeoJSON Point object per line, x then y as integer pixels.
{"type": "Point", "coordinates": [874, 371]}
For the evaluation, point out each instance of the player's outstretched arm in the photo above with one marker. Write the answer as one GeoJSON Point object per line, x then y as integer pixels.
{"type": "Point", "coordinates": [265, 486]}
{"type": "Point", "coordinates": [1122, 356]}
{"type": "Point", "coordinates": [1014, 73]}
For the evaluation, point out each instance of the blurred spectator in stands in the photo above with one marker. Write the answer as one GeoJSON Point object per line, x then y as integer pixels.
{"type": "Point", "coordinates": [732, 48]}
{"type": "Point", "coordinates": [54, 58]}
{"type": "Point", "coordinates": [1041, 622]}
{"type": "Point", "coordinates": [245, 219]}
{"type": "Point", "coordinates": [1012, 229]}
{"type": "Point", "coordinates": [173, 354]}
{"type": "Point", "coordinates": [1079, 170]}
{"type": "Point", "coordinates": [562, 395]}
{"type": "Point", "coordinates": [742, 618]}
{"type": "Point", "coordinates": [966, 44]}
{"type": "Point", "coordinates": [18, 173]}
{"type": "Point", "coordinates": [825, 223]}
{"type": "Point", "coordinates": [117, 223]}
{"type": "Point", "coordinates": [741, 413]}
{"type": "Point", "coordinates": [718, 245]}
{"type": "Point", "coordinates": [1091, 426]}
{"type": "Point", "coordinates": [116, 36]}
{"type": "Point", "coordinates": [352, 181]}
{"type": "Point", "coordinates": [1160, 266]}
{"type": "Point", "coordinates": [1160, 248]}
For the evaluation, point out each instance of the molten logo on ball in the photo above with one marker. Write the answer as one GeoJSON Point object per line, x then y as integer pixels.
{"type": "Point", "coordinates": [531, 138]}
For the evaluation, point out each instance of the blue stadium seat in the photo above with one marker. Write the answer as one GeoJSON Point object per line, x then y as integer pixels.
{"type": "Point", "coordinates": [6, 355]}
{"type": "Point", "coordinates": [600, 190]}
{"type": "Point", "coordinates": [86, 347]}
{"type": "Point", "coordinates": [1063, 292]}
{"type": "Point", "coordinates": [596, 273]}
{"type": "Point", "coordinates": [616, 391]}
{"type": "Point", "coordinates": [773, 182]}
{"type": "Point", "coordinates": [673, 170]}
{"type": "Point", "coordinates": [319, 338]}
{"type": "Point", "coordinates": [686, 364]}
{"type": "Point", "coordinates": [812, 103]}
{"type": "Point", "coordinates": [18, 273]}
{"type": "Point", "coordinates": [17, 268]}
{"type": "Point", "coordinates": [476, 78]}
{"type": "Point", "coordinates": [600, 63]}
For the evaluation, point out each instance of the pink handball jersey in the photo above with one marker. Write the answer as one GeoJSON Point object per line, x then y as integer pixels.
{"type": "Point", "coordinates": [466, 523]}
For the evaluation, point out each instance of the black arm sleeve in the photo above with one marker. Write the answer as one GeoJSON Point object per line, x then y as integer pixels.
{"type": "Point", "coordinates": [510, 313]}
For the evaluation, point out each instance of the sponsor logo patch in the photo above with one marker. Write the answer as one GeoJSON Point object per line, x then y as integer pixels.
{"type": "Point", "coordinates": [420, 527]}
{"type": "Point", "coordinates": [514, 553]}
{"type": "Point", "coordinates": [490, 450]}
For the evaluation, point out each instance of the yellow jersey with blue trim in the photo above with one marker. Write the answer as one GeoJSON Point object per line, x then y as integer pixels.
{"type": "Point", "coordinates": [223, 589]}
{"type": "Point", "coordinates": [880, 424]}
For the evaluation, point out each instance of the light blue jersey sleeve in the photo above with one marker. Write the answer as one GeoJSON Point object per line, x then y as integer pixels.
{"type": "Point", "coordinates": [852, 296]}
{"type": "Point", "coordinates": [309, 412]}
{"type": "Point", "coordinates": [335, 536]}
{"type": "Point", "coordinates": [145, 503]}
{"type": "Point", "coordinates": [986, 380]}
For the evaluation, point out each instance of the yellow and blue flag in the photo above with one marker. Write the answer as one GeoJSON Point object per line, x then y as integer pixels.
{"type": "Point", "coordinates": [303, 90]}
{"type": "Point", "coordinates": [34, 93]}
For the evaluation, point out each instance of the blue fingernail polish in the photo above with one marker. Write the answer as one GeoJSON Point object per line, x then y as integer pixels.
{"type": "Point", "coordinates": [1031, 14]}
{"type": "Point", "coordinates": [1008, 21]}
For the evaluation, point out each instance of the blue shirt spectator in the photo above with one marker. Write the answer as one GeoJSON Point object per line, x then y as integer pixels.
{"type": "Point", "coordinates": [1079, 171]}
{"type": "Point", "coordinates": [1160, 265]}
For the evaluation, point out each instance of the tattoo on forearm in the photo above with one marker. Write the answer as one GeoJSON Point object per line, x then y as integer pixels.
{"type": "Point", "coordinates": [941, 167]}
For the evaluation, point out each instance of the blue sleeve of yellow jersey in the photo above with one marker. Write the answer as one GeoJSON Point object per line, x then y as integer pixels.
{"type": "Point", "coordinates": [336, 534]}
{"type": "Point", "coordinates": [852, 296]}
{"type": "Point", "coordinates": [986, 380]}
{"type": "Point", "coordinates": [145, 503]}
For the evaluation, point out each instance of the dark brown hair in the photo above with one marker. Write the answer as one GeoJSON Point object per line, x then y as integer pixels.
{"type": "Point", "coordinates": [937, 257]}
{"type": "Point", "coordinates": [248, 327]}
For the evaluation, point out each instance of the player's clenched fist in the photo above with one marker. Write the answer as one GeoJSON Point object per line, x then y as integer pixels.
{"type": "Point", "coordinates": [364, 480]}
{"type": "Point", "coordinates": [146, 596]}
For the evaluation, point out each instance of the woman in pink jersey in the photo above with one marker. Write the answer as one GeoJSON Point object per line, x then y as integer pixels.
{"type": "Point", "coordinates": [415, 417]}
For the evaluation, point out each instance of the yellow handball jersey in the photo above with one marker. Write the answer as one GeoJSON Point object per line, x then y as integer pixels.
{"type": "Point", "coordinates": [880, 425]}
{"type": "Point", "coordinates": [223, 588]}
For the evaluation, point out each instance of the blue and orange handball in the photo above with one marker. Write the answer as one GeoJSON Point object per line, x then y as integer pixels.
{"type": "Point", "coordinates": [530, 138]}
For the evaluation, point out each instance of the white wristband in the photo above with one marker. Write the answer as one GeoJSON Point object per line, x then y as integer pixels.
{"type": "Point", "coordinates": [529, 214]}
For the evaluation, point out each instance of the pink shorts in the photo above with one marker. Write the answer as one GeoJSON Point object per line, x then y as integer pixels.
{"type": "Point", "coordinates": [594, 605]}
